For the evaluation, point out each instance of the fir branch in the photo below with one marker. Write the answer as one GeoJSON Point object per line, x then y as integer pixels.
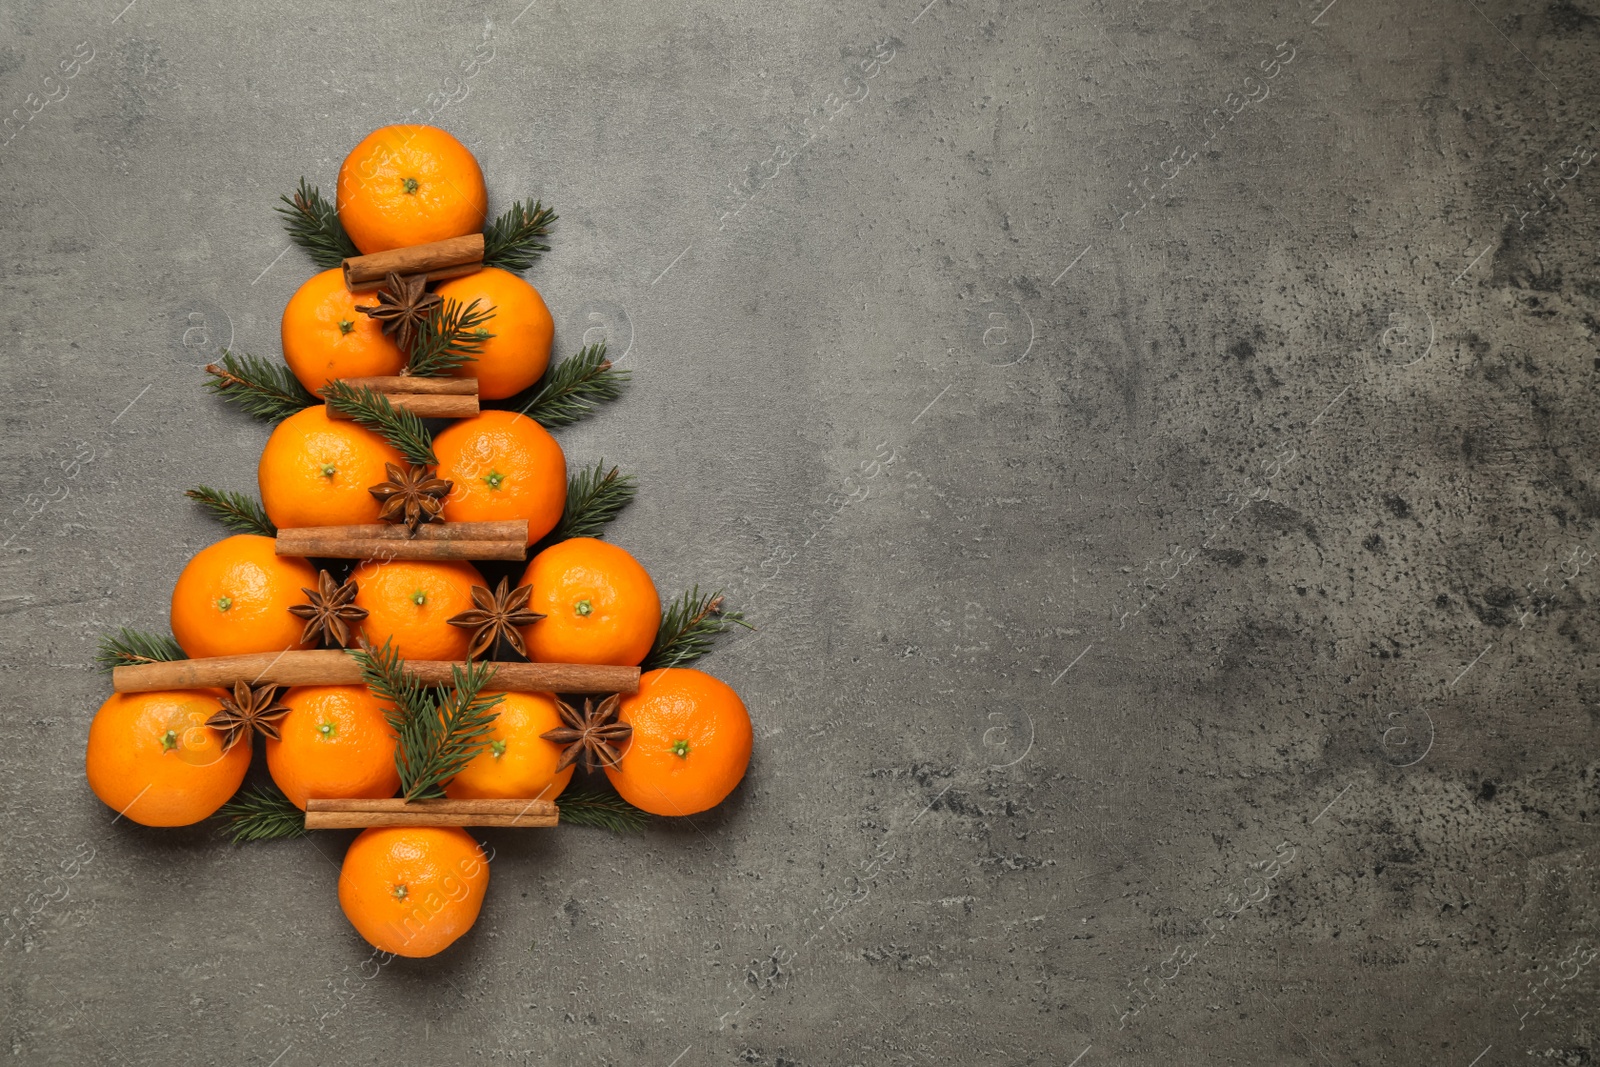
{"type": "Point", "coordinates": [440, 731]}
{"type": "Point", "coordinates": [453, 335]}
{"type": "Point", "coordinates": [129, 648]}
{"type": "Point", "coordinates": [236, 511]}
{"type": "Point", "coordinates": [512, 241]}
{"type": "Point", "coordinates": [594, 497]}
{"type": "Point", "coordinates": [572, 388]}
{"type": "Point", "coordinates": [607, 811]}
{"type": "Point", "coordinates": [400, 427]}
{"type": "Point", "coordinates": [264, 389]}
{"type": "Point", "coordinates": [313, 224]}
{"type": "Point", "coordinates": [689, 626]}
{"type": "Point", "coordinates": [261, 813]}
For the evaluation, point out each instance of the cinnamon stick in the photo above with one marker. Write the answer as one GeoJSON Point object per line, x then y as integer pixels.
{"type": "Point", "coordinates": [333, 667]}
{"type": "Point", "coordinates": [425, 405]}
{"type": "Point", "coordinates": [354, 814]}
{"type": "Point", "coordinates": [411, 383]}
{"type": "Point", "coordinates": [324, 547]}
{"type": "Point", "coordinates": [450, 258]}
{"type": "Point", "coordinates": [492, 530]}
{"type": "Point", "coordinates": [501, 539]}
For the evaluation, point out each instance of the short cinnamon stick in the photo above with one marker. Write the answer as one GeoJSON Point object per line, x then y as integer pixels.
{"type": "Point", "coordinates": [507, 539]}
{"type": "Point", "coordinates": [355, 814]}
{"type": "Point", "coordinates": [332, 667]}
{"type": "Point", "coordinates": [410, 383]}
{"type": "Point", "coordinates": [450, 258]}
{"type": "Point", "coordinates": [425, 405]}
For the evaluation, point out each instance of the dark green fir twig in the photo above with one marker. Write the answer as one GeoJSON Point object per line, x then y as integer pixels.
{"type": "Point", "coordinates": [451, 336]}
{"type": "Point", "coordinates": [606, 811]}
{"type": "Point", "coordinates": [264, 389]}
{"type": "Point", "coordinates": [400, 427]}
{"type": "Point", "coordinates": [573, 388]}
{"type": "Point", "coordinates": [514, 240]}
{"type": "Point", "coordinates": [237, 511]}
{"type": "Point", "coordinates": [313, 224]}
{"type": "Point", "coordinates": [261, 813]}
{"type": "Point", "coordinates": [689, 627]}
{"type": "Point", "coordinates": [594, 497]}
{"type": "Point", "coordinates": [129, 648]}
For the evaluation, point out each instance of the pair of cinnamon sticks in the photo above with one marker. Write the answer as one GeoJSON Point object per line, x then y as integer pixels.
{"type": "Point", "coordinates": [430, 398]}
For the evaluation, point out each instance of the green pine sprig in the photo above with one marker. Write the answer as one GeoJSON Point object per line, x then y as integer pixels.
{"type": "Point", "coordinates": [129, 648]}
{"type": "Point", "coordinates": [689, 626]}
{"type": "Point", "coordinates": [261, 813]}
{"type": "Point", "coordinates": [237, 511]}
{"type": "Point", "coordinates": [514, 240]}
{"type": "Point", "coordinates": [594, 497]}
{"type": "Point", "coordinates": [451, 336]}
{"type": "Point", "coordinates": [606, 811]}
{"type": "Point", "coordinates": [264, 389]}
{"type": "Point", "coordinates": [573, 388]}
{"type": "Point", "coordinates": [313, 224]}
{"type": "Point", "coordinates": [399, 426]}
{"type": "Point", "coordinates": [439, 730]}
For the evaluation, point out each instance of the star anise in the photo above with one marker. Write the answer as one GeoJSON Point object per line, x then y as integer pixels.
{"type": "Point", "coordinates": [330, 615]}
{"type": "Point", "coordinates": [248, 709]}
{"type": "Point", "coordinates": [496, 615]}
{"type": "Point", "coordinates": [412, 495]}
{"type": "Point", "coordinates": [593, 734]}
{"type": "Point", "coordinates": [403, 306]}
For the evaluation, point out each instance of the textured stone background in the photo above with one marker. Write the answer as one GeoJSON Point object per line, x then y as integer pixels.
{"type": "Point", "coordinates": [1118, 568]}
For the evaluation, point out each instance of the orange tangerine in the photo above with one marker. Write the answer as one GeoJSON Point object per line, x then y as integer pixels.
{"type": "Point", "coordinates": [503, 466]}
{"type": "Point", "coordinates": [234, 597]}
{"type": "Point", "coordinates": [325, 337]}
{"type": "Point", "coordinates": [412, 600]}
{"type": "Point", "coordinates": [518, 763]}
{"type": "Point", "coordinates": [152, 758]}
{"type": "Point", "coordinates": [334, 744]}
{"type": "Point", "coordinates": [315, 471]}
{"type": "Point", "coordinates": [409, 185]}
{"type": "Point", "coordinates": [519, 351]}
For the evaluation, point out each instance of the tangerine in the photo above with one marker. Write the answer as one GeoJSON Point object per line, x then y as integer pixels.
{"type": "Point", "coordinates": [325, 337]}
{"type": "Point", "coordinates": [334, 743]}
{"type": "Point", "coordinates": [234, 597]}
{"type": "Point", "coordinates": [690, 744]}
{"type": "Point", "coordinates": [504, 466]}
{"type": "Point", "coordinates": [315, 471]}
{"type": "Point", "coordinates": [600, 605]}
{"type": "Point", "coordinates": [411, 601]}
{"type": "Point", "coordinates": [517, 351]}
{"type": "Point", "coordinates": [409, 185]}
{"type": "Point", "coordinates": [413, 890]}
{"type": "Point", "coordinates": [152, 757]}
{"type": "Point", "coordinates": [518, 763]}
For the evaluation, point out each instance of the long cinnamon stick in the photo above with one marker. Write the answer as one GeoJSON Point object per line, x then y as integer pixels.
{"type": "Point", "coordinates": [425, 406]}
{"type": "Point", "coordinates": [332, 667]}
{"type": "Point", "coordinates": [501, 539]}
{"type": "Point", "coordinates": [443, 259]}
{"type": "Point", "coordinates": [354, 814]}
{"type": "Point", "coordinates": [492, 530]}
{"type": "Point", "coordinates": [365, 548]}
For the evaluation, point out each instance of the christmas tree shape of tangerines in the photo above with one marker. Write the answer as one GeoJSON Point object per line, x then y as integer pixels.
{"type": "Point", "coordinates": [386, 681]}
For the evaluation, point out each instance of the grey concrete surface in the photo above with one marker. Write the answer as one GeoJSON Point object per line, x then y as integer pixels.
{"type": "Point", "coordinates": [1156, 442]}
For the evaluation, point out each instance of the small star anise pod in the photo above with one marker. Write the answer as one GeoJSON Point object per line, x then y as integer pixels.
{"type": "Point", "coordinates": [496, 615]}
{"type": "Point", "coordinates": [593, 734]}
{"type": "Point", "coordinates": [248, 709]}
{"type": "Point", "coordinates": [330, 615]}
{"type": "Point", "coordinates": [412, 496]}
{"type": "Point", "coordinates": [403, 306]}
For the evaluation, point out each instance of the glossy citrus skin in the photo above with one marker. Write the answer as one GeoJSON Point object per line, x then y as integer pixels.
{"type": "Point", "coordinates": [518, 764]}
{"type": "Point", "coordinates": [315, 471]}
{"type": "Point", "coordinates": [504, 466]}
{"type": "Point", "coordinates": [690, 744]}
{"type": "Point", "coordinates": [152, 758]}
{"type": "Point", "coordinates": [600, 605]}
{"type": "Point", "coordinates": [519, 351]}
{"type": "Point", "coordinates": [409, 185]}
{"type": "Point", "coordinates": [334, 744]}
{"type": "Point", "coordinates": [413, 890]}
{"type": "Point", "coordinates": [411, 601]}
{"type": "Point", "coordinates": [325, 337]}
{"type": "Point", "coordinates": [234, 597]}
